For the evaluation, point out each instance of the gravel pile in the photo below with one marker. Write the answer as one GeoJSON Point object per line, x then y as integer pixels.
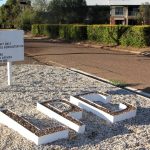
{"type": "Point", "coordinates": [33, 83]}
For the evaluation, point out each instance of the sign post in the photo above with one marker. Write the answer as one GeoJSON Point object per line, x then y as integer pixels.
{"type": "Point", "coordinates": [11, 49]}
{"type": "Point", "coordinates": [9, 72]}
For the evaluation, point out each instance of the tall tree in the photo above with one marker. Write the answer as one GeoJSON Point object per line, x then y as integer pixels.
{"type": "Point", "coordinates": [26, 19]}
{"type": "Point", "coordinates": [98, 15]}
{"type": "Point", "coordinates": [56, 11]}
{"type": "Point", "coordinates": [144, 14]}
{"type": "Point", "coordinates": [68, 11]}
{"type": "Point", "coordinates": [9, 12]}
{"type": "Point", "coordinates": [40, 5]}
{"type": "Point", "coordinates": [16, 14]}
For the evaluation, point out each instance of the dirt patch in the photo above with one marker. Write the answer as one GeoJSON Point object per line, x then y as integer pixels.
{"type": "Point", "coordinates": [129, 107]}
{"type": "Point", "coordinates": [63, 114]}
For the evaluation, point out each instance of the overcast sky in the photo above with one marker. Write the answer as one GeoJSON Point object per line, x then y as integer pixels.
{"type": "Point", "coordinates": [89, 2]}
{"type": "Point", "coordinates": [103, 2]}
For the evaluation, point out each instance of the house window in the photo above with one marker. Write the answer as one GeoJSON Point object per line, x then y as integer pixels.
{"type": "Point", "coordinates": [132, 11]}
{"type": "Point", "coordinates": [119, 11]}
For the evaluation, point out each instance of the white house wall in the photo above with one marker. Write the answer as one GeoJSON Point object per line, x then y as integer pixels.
{"type": "Point", "coordinates": [127, 2]}
{"type": "Point", "coordinates": [115, 2]}
{"type": "Point", "coordinates": [97, 2]}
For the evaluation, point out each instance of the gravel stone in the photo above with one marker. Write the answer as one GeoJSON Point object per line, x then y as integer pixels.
{"type": "Point", "coordinates": [38, 83]}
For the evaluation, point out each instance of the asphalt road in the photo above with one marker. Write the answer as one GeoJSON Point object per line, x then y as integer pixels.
{"type": "Point", "coordinates": [132, 69]}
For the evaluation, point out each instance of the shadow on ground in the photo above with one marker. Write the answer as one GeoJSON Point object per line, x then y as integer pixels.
{"type": "Point", "coordinates": [107, 131]}
{"type": "Point", "coordinates": [123, 85]}
{"type": "Point", "coordinates": [142, 117]}
{"type": "Point", "coordinates": [120, 92]}
{"type": "Point", "coordinates": [47, 40]}
{"type": "Point", "coordinates": [146, 90]}
{"type": "Point", "coordinates": [96, 131]}
{"type": "Point", "coordinates": [75, 53]}
{"type": "Point", "coordinates": [145, 53]}
{"type": "Point", "coordinates": [96, 134]}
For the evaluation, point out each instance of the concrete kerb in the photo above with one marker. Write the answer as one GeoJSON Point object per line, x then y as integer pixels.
{"type": "Point", "coordinates": [139, 92]}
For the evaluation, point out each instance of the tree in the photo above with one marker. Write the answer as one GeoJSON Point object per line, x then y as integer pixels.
{"type": "Point", "coordinates": [26, 19]}
{"type": "Point", "coordinates": [75, 10]}
{"type": "Point", "coordinates": [16, 14]}
{"type": "Point", "coordinates": [144, 14]}
{"type": "Point", "coordinates": [3, 16]}
{"type": "Point", "coordinates": [67, 11]}
{"type": "Point", "coordinates": [11, 2]}
{"type": "Point", "coordinates": [40, 5]}
{"type": "Point", "coordinates": [56, 11]}
{"type": "Point", "coordinates": [9, 13]}
{"type": "Point", "coordinates": [98, 15]}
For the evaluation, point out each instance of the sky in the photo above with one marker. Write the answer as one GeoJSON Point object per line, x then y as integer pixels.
{"type": "Point", "coordinates": [89, 2]}
{"type": "Point", "coordinates": [2, 2]}
{"type": "Point", "coordinates": [101, 2]}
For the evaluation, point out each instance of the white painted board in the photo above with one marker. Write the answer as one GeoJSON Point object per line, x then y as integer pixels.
{"type": "Point", "coordinates": [11, 45]}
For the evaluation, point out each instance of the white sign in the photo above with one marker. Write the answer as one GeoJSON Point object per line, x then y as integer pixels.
{"type": "Point", "coordinates": [11, 45]}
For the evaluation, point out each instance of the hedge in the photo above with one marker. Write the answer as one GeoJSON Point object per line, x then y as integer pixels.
{"type": "Point", "coordinates": [73, 32]}
{"type": "Point", "coordinates": [135, 36]}
{"type": "Point", "coordinates": [67, 32]}
{"type": "Point", "coordinates": [106, 34]}
{"type": "Point", "coordinates": [52, 31]}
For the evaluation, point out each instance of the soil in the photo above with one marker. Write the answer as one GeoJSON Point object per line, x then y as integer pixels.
{"type": "Point", "coordinates": [129, 107]}
{"type": "Point", "coordinates": [63, 105]}
{"type": "Point", "coordinates": [64, 114]}
{"type": "Point", "coordinates": [31, 127]}
{"type": "Point", "coordinates": [109, 106]}
{"type": "Point", "coordinates": [94, 92]}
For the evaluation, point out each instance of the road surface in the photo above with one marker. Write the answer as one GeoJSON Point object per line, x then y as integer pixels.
{"type": "Point", "coordinates": [125, 67]}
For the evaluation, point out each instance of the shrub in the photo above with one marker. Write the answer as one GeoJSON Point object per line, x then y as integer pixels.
{"type": "Point", "coordinates": [52, 31]}
{"type": "Point", "coordinates": [25, 19]}
{"type": "Point", "coordinates": [73, 32]}
{"type": "Point", "coordinates": [35, 29]}
{"type": "Point", "coordinates": [106, 34]}
{"type": "Point", "coordinates": [137, 36]}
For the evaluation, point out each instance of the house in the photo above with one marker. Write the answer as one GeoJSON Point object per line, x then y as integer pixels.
{"type": "Point", "coordinates": [121, 11]}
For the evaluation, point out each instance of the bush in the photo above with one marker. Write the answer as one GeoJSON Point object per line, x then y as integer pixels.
{"type": "Point", "coordinates": [52, 31]}
{"type": "Point", "coordinates": [35, 30]}
{"type": "Point", "coordinates": [106, 34]}
{"type": "Point", "coordinates": [136, 36]}
{"type": "Point", "coordinates": [25, 19]}
{"type": "Point", "coordinates": [73, 32]}
{"type": "Point", "coordinates": [67, 32]}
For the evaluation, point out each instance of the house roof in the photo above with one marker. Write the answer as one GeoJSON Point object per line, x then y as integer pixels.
{"type": "Point", "coordinates": [127, 2]}
{"type": "Point", "coordinates": [115, 2]}
{"type": "Point", "coordinates": [97, 2]}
